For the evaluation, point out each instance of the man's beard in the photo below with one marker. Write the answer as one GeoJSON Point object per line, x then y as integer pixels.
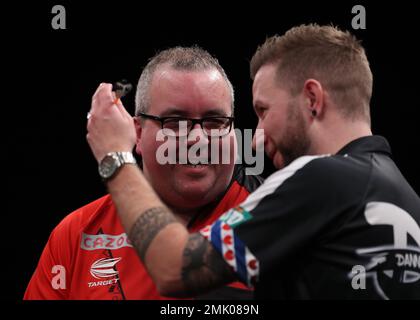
{"type": "Point", "coordinates": [295, 141]}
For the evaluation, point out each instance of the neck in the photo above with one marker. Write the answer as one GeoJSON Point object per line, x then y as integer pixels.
{"type": "Point", "coordinates": [337, 134]}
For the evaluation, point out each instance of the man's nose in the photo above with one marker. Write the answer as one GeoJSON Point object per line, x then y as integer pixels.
{"type": "Point", "coordinates": [197, 134]}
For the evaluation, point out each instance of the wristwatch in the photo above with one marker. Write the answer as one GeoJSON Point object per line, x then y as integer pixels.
{"type": "Point", "coordinates": [112, 162]}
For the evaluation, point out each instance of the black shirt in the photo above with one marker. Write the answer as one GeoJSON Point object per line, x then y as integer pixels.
{"type": "Point", "coordinates": [328, 227]}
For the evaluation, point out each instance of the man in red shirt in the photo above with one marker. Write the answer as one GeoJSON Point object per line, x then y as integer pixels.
{"type": "Point", "coordinates": [88, 255]}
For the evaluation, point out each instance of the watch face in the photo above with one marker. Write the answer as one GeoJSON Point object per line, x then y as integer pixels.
{"type": "Point", "coordinates": [108, 166]}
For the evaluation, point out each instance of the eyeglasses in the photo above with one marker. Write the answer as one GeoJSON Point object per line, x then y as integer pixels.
{"type": "Point", "coordinates": [215, 126]}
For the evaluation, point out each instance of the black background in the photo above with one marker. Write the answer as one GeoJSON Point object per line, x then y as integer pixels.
{"type": "Point", "coordinates": [53, 171]}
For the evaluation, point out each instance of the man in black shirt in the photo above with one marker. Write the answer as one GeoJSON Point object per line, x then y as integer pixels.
{"type": "Point", "coordinates": [337, 220]}
{"type": "Point", "coordinates": [342, 226]}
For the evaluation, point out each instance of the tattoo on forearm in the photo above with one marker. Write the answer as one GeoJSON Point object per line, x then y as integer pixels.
{"type": "Point", "coordinates": [147, 226]}
{"type": "Point", "coordinates": [203, 267]}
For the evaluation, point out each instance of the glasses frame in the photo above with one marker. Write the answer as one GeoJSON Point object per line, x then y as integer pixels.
{"type": "Point", "coordinates": [194, 121]}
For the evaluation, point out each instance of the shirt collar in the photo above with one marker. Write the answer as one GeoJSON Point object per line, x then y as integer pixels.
{"type": "Point", "coordinates": [368, 144]}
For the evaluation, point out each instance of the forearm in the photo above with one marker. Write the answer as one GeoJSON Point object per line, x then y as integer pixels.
{"type": "Point", "coordinates": [179, 263]}
{"type": "Point", "coordinates": [153, 230]}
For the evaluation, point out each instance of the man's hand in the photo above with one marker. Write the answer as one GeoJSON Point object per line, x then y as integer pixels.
{"type": "Point", "coordinates": [110, 127]}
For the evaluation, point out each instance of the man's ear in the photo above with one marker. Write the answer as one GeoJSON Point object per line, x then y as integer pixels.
{"type": "Point", "coordinates": [137, 123]}
{"type": "Point", "coordinates": [315, 97]}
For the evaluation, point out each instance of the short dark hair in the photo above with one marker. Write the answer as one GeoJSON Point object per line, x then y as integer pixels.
{"type": "Point", "coordinates": [327, 54]}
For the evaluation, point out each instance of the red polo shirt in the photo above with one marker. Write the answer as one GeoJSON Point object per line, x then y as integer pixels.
{"type": "Point", "coordinates": [89, 256]}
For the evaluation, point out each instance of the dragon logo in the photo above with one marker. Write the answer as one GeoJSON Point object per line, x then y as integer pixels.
{"type": "Point", "coordinates": [393, 269]}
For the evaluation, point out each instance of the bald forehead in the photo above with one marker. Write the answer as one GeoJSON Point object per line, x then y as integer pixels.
{"type": "Point", "coordinates": [188, 88]}
{"type": "Point", "coordinates": [169, 76]}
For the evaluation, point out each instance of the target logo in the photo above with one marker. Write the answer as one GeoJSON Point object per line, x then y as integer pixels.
{"type": "Point", "coordinates": [104, 268]}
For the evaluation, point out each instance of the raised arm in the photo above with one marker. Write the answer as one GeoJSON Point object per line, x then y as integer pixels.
{"type": "Point", "coordinates": [180, 264]}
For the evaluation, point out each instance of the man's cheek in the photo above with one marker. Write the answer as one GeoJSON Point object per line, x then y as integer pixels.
{"type": "Point", "coordinates": [224, 150]}
{"type": "Point", "coordinates": [165, 151]}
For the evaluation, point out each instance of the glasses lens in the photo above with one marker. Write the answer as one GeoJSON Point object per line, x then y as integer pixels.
{"type": "Point", "coordinates": [213, 127]}
{"type": "Point", "coordinates": [176, 127]}
{"type": "Point", "coordinates": [217, 127]}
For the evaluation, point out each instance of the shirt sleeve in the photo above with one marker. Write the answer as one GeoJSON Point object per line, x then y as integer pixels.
{"type": "Point", "coordinates": [52, 275]}
{"type": "Point", "coordinates": [289, 212]}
